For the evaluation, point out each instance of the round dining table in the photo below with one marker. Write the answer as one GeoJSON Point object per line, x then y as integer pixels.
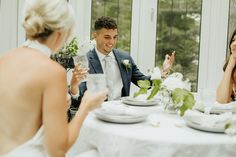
{"type": "Point", "coordinates": [160, 135]}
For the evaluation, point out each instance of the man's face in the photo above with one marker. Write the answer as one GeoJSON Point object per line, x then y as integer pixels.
{"type": "Point", "coordinates": [105, 39]}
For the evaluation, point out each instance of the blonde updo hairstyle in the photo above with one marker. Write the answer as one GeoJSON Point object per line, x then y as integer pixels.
{"type": "Point", "coordinates": [43, 17]}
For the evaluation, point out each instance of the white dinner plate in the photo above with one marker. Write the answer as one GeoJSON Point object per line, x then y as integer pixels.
{"type": "Point", "coordinates": [198, 126]}
{"type": "Point", "coordinates": [124, 119]}
{"type": "Point", "coordinates": [134, 102]}
{"type": "Point", "coordinates": [205, 122]}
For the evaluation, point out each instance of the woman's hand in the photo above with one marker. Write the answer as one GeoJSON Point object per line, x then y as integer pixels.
{"type": "Point", "coordinates": [232, 62]}
{"type": "Point", "coordinates": [169, 60]}
{"type": "Point", "coordinates": [78, 75]}
{"type": "Point", "coordinates": [68, 100]}
{"type": "Point", "coordinates": [92, 101]}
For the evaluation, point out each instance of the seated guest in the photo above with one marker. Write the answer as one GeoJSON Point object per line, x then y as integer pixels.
{"type": "Point", "coordinates": [33, 93]}
{"type": "Point", "coordinates": [118, 66]}
{"type": "Point", "coordinates": [226, 91]}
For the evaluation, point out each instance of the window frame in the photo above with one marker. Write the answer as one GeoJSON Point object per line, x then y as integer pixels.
{"type": "Point", "coordinates": [213, 36]}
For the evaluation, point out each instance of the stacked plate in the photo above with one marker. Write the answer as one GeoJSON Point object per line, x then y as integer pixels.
{"type": "Point", "coordinates": [207, 122]}
{"type": "Point", "coordinates": [139, 102]}
{"type": "Point", "coordinates": [217, 108]}
{"type": "Point", "coordinates": [116, 112]}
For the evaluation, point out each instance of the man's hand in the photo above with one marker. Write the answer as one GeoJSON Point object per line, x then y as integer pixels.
{"type": "Point", "coordinates": [78, 75]}
{"type": "Point", "coordinates": [167, 64]}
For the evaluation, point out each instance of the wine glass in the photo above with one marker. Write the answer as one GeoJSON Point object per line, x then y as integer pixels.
{"type": "Point", "coordinates": [207, 97]}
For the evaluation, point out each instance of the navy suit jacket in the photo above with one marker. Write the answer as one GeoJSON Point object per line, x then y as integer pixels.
{"type": "Point", "coordinates": [127, 75]}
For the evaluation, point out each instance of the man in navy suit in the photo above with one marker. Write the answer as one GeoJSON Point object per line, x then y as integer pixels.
{"type": "Point", "coordinates": [123, 74]}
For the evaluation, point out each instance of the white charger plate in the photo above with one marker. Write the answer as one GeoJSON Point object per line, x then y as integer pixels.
{"type": "Point", "coordinates": [206, 122]}
{"type": "Point", "coordinates": [134, 102]}
{"type": "Point", "coordinates": [217, 128]}
{"type": "Point", "coordinates": [123, 119]}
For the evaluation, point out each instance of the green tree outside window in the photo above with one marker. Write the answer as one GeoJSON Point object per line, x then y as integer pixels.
{"type": "Point", "coordinates": [178, 28]}
{"type": "Point", "coordinates": [119, 10]}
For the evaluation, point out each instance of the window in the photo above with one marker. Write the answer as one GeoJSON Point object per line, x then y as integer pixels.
{"type": "Point", "coordinates": [178, 28]}
{"type": "Point", "coordinates": [119, 10]}
{"type": "Point", "coordinates": [232, 19]}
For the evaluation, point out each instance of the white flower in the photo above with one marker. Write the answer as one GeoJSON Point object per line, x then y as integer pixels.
{"type": "Point", "coordinates": [175, 81]}
{"type": "Point", "coordinates": [126, 62]}
{"type": "Point", "coordinates": [156, 75]}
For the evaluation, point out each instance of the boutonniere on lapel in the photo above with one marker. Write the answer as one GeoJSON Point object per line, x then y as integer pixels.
{"type": "Point", "coordinates": [126, 64]}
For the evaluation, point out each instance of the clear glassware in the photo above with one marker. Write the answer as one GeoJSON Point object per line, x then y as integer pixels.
{"type": "Point", "coordinates": [96, 82]}
{"type": "Point", "coordinates": [82, 60]}
{"type": "Point", "coordinates": [207, 98]}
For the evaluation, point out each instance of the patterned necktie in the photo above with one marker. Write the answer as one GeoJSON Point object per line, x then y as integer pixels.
{"type": "Point", "coordinates": [109, 71]}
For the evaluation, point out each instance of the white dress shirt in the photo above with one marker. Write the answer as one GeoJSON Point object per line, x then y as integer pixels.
{"type": "Point", "coordinates": [118, 85]}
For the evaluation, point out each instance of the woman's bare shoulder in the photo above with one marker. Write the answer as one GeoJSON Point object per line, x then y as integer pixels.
{"type": "Point", "coordinates": [38, 62]}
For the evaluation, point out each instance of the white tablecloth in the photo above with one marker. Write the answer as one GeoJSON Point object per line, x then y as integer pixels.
{"type": "Point", "coordinates": [171, 138]}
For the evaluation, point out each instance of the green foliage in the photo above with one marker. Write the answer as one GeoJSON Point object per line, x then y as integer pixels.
{"type": "Point", "coordinates": [185, 97]}
{"type": "Point", "coordinates": [70, 50]}
{"type": "Point", "coordinates": [156, 88]}
{"type": "Point", "coordinates": [144, 85]}
{"type": "Point", "coordinates": [64, 57]}
{"type": "Point", "coordinates": [228, 125]}
{"type": "Point", "coordinates": [182, 98]}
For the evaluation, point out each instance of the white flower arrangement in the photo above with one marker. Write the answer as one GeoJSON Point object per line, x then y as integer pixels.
{"type": "Point", "coordinates": [172, 92]}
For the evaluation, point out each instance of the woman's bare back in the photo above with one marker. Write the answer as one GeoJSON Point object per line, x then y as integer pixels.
{"type": "Point", "coordinates": [22, 79]}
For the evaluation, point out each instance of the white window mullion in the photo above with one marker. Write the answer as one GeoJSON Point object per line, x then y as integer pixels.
{"type": "Point", "coordinates": [213, 42]}
{"type": "Point", "coordinates": [143, 33]}
{"type": "Point", "coordinates": [8, 19]}
{"type": "Point", "coordinates": [20, 30]}
{"type": "Point", "coordinates": [82, 10]}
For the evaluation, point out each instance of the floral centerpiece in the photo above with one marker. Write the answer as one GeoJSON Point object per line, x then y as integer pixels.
{"type": "Point", "coordinates": [66, 54]}
{"type": "Point", "coordinates": [171, 92]}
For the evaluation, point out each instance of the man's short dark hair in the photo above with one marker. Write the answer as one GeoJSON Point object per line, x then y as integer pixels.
{"type": "Point", "coordinates": [105, 22]}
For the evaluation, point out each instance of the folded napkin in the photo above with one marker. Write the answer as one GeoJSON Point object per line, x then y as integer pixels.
{"type": "Point", "coordinates": [207, 120]}
{"type": "Point", "coordinates": [117, 108]}
{"type": "Point", "coordinates": [228, 106]}
{"type": "Point", "coordinates": [216, 107]}
{"type": "Point", "coordinates": [141, 97]}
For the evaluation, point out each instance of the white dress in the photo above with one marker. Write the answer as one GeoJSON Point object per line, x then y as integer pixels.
{"type": "Point", "coordinates": [33, 147]}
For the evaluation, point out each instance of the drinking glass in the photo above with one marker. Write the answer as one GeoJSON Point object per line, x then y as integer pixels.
{"type": "Point", "coordinates": [96, 82]}
{"type": "Point", "coordinates": [207, 98]}
{"type": "Point", "coordinates": [82, 60]}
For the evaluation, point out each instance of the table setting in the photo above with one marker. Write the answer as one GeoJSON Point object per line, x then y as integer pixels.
{"type": "Point", "coordinates": [160, 120]}
{"type": "Point", "coordinates": [117, 112]}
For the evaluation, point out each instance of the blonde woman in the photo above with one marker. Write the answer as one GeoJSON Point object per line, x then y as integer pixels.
{"type": "Point", "coordinates": [226, 90]}
{"type": "Point", "coordinates": [33, 120]}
